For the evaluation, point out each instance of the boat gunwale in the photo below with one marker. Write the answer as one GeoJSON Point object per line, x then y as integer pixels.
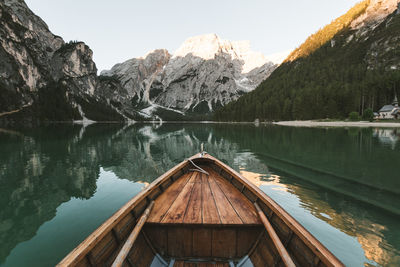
{"type": "Point", "coordinates": [325, 255]}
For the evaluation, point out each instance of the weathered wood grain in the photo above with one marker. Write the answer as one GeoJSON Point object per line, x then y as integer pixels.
{"type": "Point", "coordinates": [239, 202]}
{"type": "Point", "coordinates": [176, 212]}
{"type": "Point", "coordinates": [166, 199]}
{"type": "Point", "coordinates": [202, 242]}
{"type": "Point", "coordinates": [224, 243]}
{"type": "Point", "coordinates": [209, 208]}
{"type": "Point", "coordinates": [194, 208]}
{"type": "Point", "coordinates": [226, 212]}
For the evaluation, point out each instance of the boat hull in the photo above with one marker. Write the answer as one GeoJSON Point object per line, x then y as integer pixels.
{"type": "Point", "coordinates": [203, 213]}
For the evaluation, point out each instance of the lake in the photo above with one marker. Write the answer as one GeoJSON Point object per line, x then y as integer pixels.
{"type": "Point", "coordinates": [58, 183]}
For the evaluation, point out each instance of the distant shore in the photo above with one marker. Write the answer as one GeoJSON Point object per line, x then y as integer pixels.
{"type": "Point", "coordinates": [338, 124]}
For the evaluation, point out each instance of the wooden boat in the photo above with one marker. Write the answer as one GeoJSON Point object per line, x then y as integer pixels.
{"type": "Point", "coordinates": [201, 213]}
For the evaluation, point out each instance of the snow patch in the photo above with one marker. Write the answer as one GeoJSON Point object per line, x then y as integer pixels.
{"type": "Point", "coordinates": [85, 121]}
{"type": "Point", "coordinates": [153, 107]}
{"type": "Point", "coordinates": [210, 106]}
{"type": "Point", "coordinates": [244, 84]}
{"type": "Point", "coordinates": [209, 45]}
{"type": "Point", "coordinates": [123, 115]}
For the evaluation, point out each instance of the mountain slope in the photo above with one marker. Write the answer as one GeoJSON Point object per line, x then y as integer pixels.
{"type": "Point", "coordinates": [205, 73]}
{"type": "Point", "coordinates": [42, 77]}
{"type": "Point", "coordinates": [350, 65]}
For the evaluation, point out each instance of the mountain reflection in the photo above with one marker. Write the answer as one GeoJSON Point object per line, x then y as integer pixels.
{"type": "Point", "coordinates": [39, 170]}
{"type": "Point", "coordinates": [348, 177]}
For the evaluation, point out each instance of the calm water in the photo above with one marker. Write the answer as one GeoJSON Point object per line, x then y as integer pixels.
{"type": "Point", "coordinates": [58, 183]}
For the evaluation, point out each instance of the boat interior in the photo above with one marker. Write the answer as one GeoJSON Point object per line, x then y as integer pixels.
{"type": "Point", "coordinates": [203, 218]}
{"type": "Point", "coordinates": [198, 214]}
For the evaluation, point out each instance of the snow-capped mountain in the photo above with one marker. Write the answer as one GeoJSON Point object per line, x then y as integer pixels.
{"type": "Point", "coordinates": [44, 78]}
{"type": "Point", "coordinates": [204, 73]}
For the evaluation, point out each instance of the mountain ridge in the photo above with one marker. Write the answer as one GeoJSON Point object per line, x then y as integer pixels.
{"type": "Point", "coordinates": [43, 77]}
{"type": "Point", "coordinates": [46, 79]}
{"type": "Point", "coordinates": [204, 73]}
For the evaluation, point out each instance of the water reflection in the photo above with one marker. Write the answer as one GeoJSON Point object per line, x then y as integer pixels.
{"type": "Point", "coordinates": [346, 180]}
{"type": "Point", "coordinates": [388, 137]}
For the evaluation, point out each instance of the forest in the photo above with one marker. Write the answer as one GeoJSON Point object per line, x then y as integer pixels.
{"type": "Point", "coordinates": [328, 77]}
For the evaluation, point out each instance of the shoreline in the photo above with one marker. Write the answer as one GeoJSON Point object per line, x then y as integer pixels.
{"type": "Point", "coordinates": [337, 124]}
{"type": "Point", "coordinates": [298, 123]}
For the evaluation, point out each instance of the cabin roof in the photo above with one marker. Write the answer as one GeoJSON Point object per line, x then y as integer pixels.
{"type": "Point", "coordinates": [386, 108]}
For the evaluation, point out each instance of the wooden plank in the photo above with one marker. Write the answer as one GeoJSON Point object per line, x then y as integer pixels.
{"type": "Point", "coordinates": [104, 249]}
{"type": "Point", "coordinates": [141, 254]}
{"type": "Point", "coordinates": [139, 208]}
{"type": "Point", "coordinates": [210, 213]}
{"type": "Point", "coordinates": [277, 242]}
{"type": "Point", "coordinates": [202, 239]}
{"type": "Point", "coordinates": [245, 239]}
{"type": "Point", "coordinates": [84, 263]}
{"type": "Point", "coordinates": [226, 212]}
{"type": "Point", "coordinates": [158, 237]}
{"type": "Point", "coordinates": [147, 257]}
{"type": "Point", "coordinates": [177, 211]}
{"type": "Point", "coordinates": [166, 199]}
{"type": "Point", "coordinates": [239, 202]}
{"type": "Point", "coordinates": [281, 229]}
{"type": "Point", "coordinates": [267, 250]}
{"type": "Point", "coordinates": [194, 209]}
{"type": "Point", "coordinates": [179, 241]}
{"type": "Point", "coordinates": [205, 264]}
{"type": "Point", "coordinates": [125, 226]}
{"type": "Point", "coordinates": [179, 264]}
{"type": "Point", "coordinates": [193, 177]}
{"type": "Point", "coordinates": [256, 258]}
{"type": "Point", "coordinates": [132, 237]}
{"type": "Point", "coordinates": [301, 253]}
{"type": "Point", "coordinates": [223, 243]}
{"type": "Point", "coordinates": [187, 241]}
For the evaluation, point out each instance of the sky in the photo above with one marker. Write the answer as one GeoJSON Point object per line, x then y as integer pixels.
{"type": "Point", "coordinates": [122, 29]}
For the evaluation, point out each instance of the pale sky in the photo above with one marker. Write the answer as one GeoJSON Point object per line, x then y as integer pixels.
{"type": "Point", "coordinates": [118, 30]}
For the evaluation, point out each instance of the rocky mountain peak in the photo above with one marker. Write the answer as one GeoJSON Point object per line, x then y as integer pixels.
{"type": "Point", "coordinates": [208, 46]}
{"type": "Point", "coordinates": [204, 73]}
{"type": "Point", "coordinates": [375, 13]}
{"type": "Point", "coordinates": [203, 46]}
